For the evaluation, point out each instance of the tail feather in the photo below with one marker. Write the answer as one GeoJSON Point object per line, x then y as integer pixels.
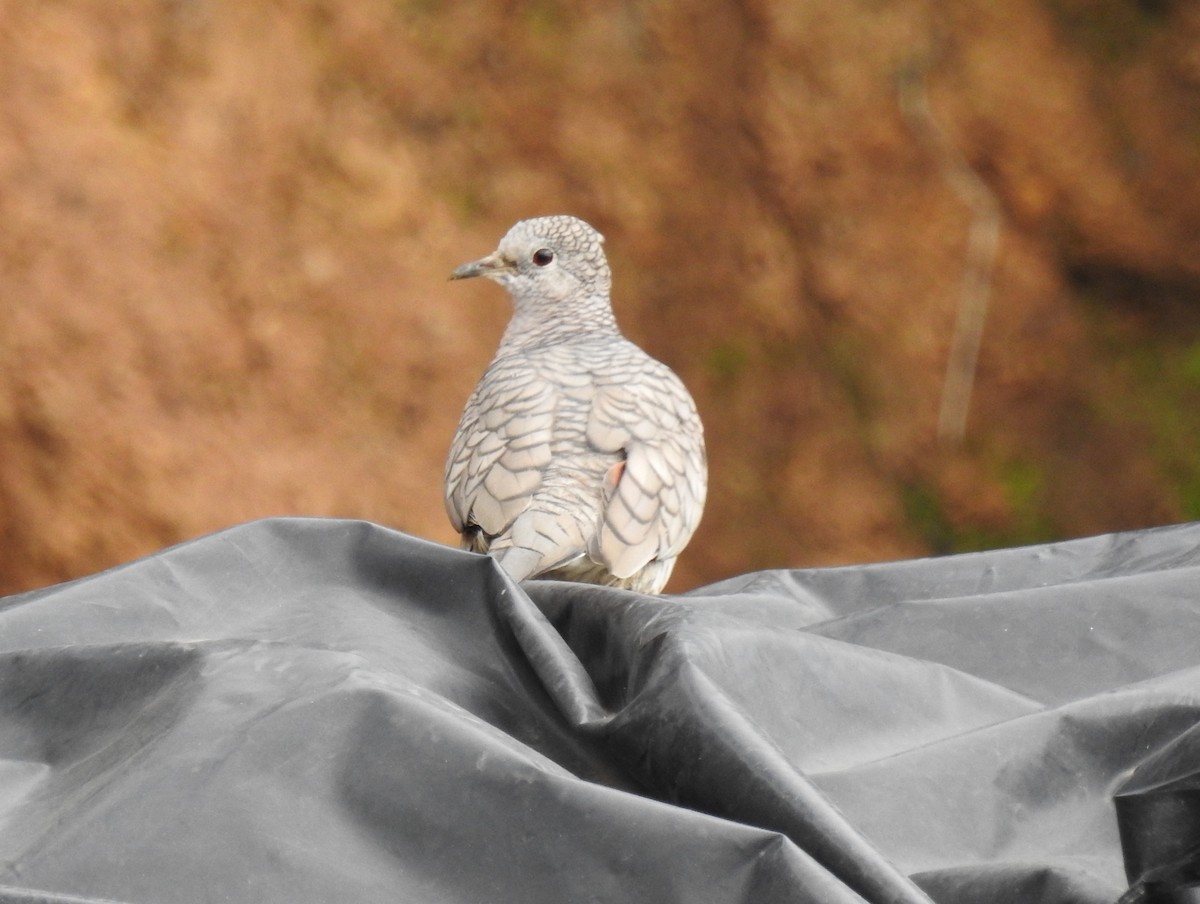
{"type": "Point", "coordinates": [520, 563]}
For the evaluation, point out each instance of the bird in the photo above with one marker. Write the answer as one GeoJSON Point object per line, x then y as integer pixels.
{"type": "Point", "coordinates": [578, 456]}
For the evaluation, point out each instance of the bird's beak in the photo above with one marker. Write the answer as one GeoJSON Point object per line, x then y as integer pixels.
{"type": "Point", "coordinates": [492, 265]}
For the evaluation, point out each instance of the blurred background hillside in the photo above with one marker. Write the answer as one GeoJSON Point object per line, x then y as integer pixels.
{"type": "Point", "coordinates": [226, 227]}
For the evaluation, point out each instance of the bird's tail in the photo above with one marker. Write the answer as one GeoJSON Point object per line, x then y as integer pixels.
{"type": "Point", "coordinates": [520, 562]}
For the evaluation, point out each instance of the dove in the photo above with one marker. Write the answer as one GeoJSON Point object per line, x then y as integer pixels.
{"type": "Point", "coordinates": [578, 456]}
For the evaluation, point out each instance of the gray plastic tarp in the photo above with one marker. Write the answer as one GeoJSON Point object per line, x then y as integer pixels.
{"type": "Point", "coordinates": [304, 710]}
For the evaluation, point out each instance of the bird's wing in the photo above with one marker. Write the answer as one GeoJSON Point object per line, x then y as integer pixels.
{"type": "Point", "coordinates": [658, 494]}
{"type": "Point", "coordinates": [501, 449]}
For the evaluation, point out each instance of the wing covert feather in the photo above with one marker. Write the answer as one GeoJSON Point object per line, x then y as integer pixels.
{"type": "Point", "coordinates": [656, 504]}
{"type": "Point", "coordinates": [501, 449]}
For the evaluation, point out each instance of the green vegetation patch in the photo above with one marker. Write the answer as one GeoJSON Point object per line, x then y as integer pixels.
{"type": "Point", "coordinates": [945, 533]}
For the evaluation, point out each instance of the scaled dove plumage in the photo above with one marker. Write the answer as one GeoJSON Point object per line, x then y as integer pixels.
{"type": "Point", "coordinates": [578, 456]}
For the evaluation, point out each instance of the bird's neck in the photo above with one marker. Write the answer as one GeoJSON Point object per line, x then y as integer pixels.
{"type": "Point", "coordinates": [541, 321]}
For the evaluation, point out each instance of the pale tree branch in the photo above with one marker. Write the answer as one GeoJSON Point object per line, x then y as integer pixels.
{"type": "Point", "coordinates": [983, 242]}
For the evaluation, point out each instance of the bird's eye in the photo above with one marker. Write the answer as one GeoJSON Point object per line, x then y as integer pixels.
{"type": "Point", "coordinates": [543, 256]}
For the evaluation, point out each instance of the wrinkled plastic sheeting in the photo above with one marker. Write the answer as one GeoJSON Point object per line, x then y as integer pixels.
{"type": "Point", "coordinates": [309, 710]}
{"type": "Point", "coordinates": [1159, 817]}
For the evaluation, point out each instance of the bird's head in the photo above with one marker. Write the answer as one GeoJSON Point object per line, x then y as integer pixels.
{"type": "Point", "coordinates": [546, 258]}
